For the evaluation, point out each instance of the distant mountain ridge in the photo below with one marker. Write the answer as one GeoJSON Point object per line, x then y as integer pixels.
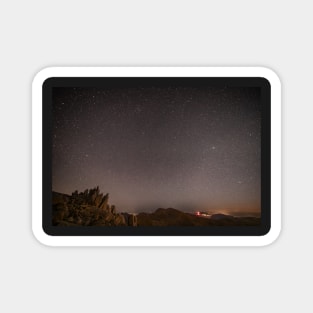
{"type": "Point", "coordinates": [173, 217]}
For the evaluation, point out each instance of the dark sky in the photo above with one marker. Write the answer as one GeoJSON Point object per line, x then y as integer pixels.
{"type": "Point", "coordinates": [155, 145]}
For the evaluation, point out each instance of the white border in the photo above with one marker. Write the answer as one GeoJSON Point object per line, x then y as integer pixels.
{"type": "Point", "coordinates": [151, 240]}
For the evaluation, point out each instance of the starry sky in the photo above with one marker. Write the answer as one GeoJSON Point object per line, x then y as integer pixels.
{"type": "Point", "coordinates": [160, 144]}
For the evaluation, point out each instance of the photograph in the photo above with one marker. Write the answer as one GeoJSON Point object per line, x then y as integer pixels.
{"type": "Point", "coordinates": [156, 152]}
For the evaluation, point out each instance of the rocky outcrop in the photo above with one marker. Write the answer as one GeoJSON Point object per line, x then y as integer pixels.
{"type": "Point", "coordinates": [88, 208]}
{"type": "Point", "coordinates": [91, 197]}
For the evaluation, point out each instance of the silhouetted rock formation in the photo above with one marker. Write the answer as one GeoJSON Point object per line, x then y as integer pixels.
{"type": "Point", "coordinates": [88, 208]}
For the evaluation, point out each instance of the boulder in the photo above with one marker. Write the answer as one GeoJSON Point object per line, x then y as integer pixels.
{"type": "Point", "coordinates": [104, 202]}
{"type": "Point", "coordinates": [98, 199]}
{"type": "Point", "coordinates": [132, 220]}
{"type": "Point", "coordinates": [113, 209]}
{"type": "Point", "coordinates": [119, 220]}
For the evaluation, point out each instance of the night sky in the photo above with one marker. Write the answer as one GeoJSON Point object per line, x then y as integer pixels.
{"type": "Point", "coordinates": [160, 145]}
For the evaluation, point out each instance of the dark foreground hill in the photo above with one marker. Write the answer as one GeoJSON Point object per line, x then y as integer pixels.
{"type": "Point", "coordinates": [172, 217]}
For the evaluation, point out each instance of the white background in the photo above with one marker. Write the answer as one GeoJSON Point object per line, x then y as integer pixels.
{"type": "Point", "coordinates": [37, 34]}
